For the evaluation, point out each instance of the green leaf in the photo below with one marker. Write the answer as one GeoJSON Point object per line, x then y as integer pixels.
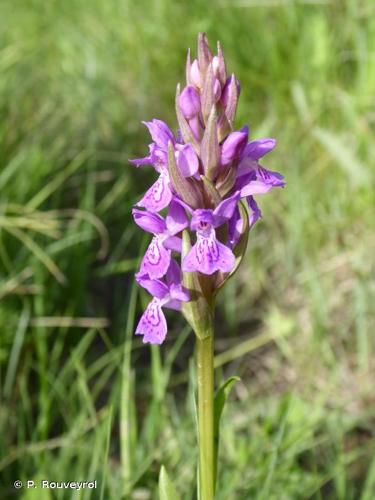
{"type": "Point", "coordinates": [219, 403]}
{"type": "Point", "coordinates": [167, 491]}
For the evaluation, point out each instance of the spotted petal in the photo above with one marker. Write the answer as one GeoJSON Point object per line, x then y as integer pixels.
{"type": "Point", "coordinates": [152, 325]}
{"type": "Point", "coordinates": [156, 260]}
{"type": "Point", "coordinates": [158, 196]}
{"type": "Point", "coordinates": [207, 256]}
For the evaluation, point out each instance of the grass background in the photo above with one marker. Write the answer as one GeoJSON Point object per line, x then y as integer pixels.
{"type": "Point", "coordinates": [81, 398]}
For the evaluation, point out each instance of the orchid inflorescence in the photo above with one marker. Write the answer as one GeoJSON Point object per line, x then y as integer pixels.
{"type": "Point", "coordinates": [208, 176]}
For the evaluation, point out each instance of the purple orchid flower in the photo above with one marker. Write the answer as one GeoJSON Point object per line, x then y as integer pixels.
{"type": "Point", "coordinates": [160, 194]}
{"type": "Point", "coordinates": [167, 293]}
{"type": "Point", "coordinates": [209, 255]}
{"type": "Point", "coordinates": [252, 178]}
{"type": "Point", "coordinates": [157, 258]}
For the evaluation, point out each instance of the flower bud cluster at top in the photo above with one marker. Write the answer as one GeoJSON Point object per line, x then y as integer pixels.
{"type": "Point", "coordinates": [204, 173]}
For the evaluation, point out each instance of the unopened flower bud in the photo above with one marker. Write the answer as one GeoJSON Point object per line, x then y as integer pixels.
{"type": "Point", "coordinates": [233, 146]}
{"type": "Point", "coordinates": [189, 102]}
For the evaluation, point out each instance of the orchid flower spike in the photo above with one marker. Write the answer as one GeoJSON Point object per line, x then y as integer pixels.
{"type": "Point", "coordinates": [208, 176]}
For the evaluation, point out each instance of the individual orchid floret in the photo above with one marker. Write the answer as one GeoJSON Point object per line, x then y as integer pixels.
{"type": "Point", "coordinates": [166, 293]}
{"type": "Point", "coordinates": [161, 135]}
{"type": "Point", "coordinates": [159, 195]}
{"type": "Point", "coordinates": [209, 255]}
{"type": "Point", "coordinates": [157, 258]}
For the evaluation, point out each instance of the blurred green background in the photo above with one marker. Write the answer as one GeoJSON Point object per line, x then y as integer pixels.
{"type": "Point", "coordinates": [81, 397]}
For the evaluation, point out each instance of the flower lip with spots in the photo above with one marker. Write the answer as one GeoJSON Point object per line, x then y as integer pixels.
{"type": "Point", "coordinates": [157, 258]}
{"type": "Point", "coordinates": [167, 293]}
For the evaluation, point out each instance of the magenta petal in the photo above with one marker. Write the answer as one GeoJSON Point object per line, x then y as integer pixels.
{"type": "Point", "coordinates": [158, 196]}
{"type": "Point", "coordinates": [176, 219]}
{"type": "Point", "coordinates": [150, 222]}
{"type": "Point", "coordinates": [187, 161]}
{"type": "Point", "coordinates": [156, 260]}
{"type": "Point", "coordinates": [207, 256]}
{"type": "Point", "coordinates": [152, 325]}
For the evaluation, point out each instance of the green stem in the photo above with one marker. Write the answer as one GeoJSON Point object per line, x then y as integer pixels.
{"type": "Point", "coordinates": [205, 378]}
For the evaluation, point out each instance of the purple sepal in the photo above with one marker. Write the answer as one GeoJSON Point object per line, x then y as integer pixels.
{"type": "Point", "coordinates": [160, 132]}
{"type": "Point", "coordinates": [258, 148]}
{"type": "Point", "coordinates": [147, 160]}
{"type": "Point", "coordinates": [155, 287]}
{"type": "Point", "coordinates": [148, 221]}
